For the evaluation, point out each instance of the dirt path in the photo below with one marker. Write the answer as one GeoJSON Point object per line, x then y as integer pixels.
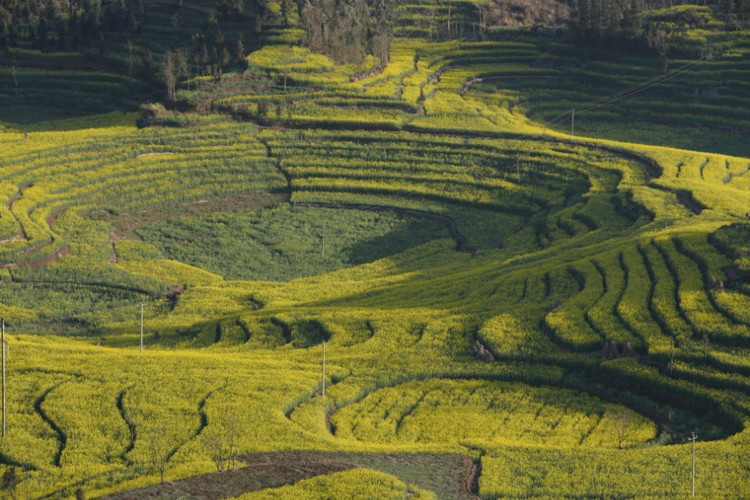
{"type": "Point", "coordinates": [64, 250]}
{"type": "Point", "coordinates": [17, 196]}
{"type": "Point", "coordinates": [19, 237]}
{"type": "Point", "coordinates": [470, 479]}
{"type": "Point", "coordinates": [52, 218]}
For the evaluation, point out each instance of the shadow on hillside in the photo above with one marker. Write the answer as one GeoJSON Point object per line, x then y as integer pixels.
{"type": "Point", "coordinates": [31, 118]}
{"type": "Point", "coordinates": [415, 232]}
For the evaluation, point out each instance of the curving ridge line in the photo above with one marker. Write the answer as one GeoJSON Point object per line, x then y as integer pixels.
{"type": "Point", "coordinates": [288, 413]}
{"type": "Point", "coordinates": [636, 334]}
{"type": "Point", "coordinates": [21, 236]}
{"type": "Point", "coordinates": [129, 423]}
{"type": "Point", "coordinates": [409, 411]}
{"type": "Point", "coordinates": [61, 437]}
{"type": "Point", "coordinates": [203, 424]}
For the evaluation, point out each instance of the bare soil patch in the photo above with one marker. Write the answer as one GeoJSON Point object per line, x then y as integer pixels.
{"type": "Point", "coordinates": [262, 470]}
{"type": "Point", "coordinates": [20, 236]}
{"type": "Point", "coordinates": [450, 476]}
{"type": "Point", "coordinates": [64, 250]}
{"type": "Point", "coordinates": [54, 216]}
{"type": "Point", "coordinates": [124, 224]}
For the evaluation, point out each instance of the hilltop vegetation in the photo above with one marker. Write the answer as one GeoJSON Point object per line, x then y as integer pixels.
{"type": "Point", "coordinates": [532, 309]}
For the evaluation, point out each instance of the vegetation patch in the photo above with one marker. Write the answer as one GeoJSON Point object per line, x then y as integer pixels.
{"type": "Point", "coordinates": [264, 258]}
{"type": "Point", "coordinates": [286, 242]}
{"type": "Point", "coordinates": [490, 412]}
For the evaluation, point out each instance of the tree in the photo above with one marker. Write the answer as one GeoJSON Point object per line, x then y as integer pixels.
{"type": "Point", "coordinates": [181, 62]}
{"type": "Point", "coordinates": [169, 71]}
{"type": "Point", "coordinates": [285, 12]}
{"type": "Point", "coordinates": [221, 439]}
{"type": "Point", "coordinates": [131, 57]}
{"type": "Point", "coordinates": [140, 14]}
{"type": "Point", "coordinates": [658, 41]}
{"type": "Point", "coordinates": [347, 30]}
{"type": "Point", "coordinates": [231, 427]}
{"type": "Point", "coordinates": [431, 17]}
{"type": "Point", "coordinates": [632, 20]}
{"type": "Point", "coordinates": [238, 6]}
{"type": "Point", "coordinates": [261, 11]}
{"type": "Point", "coordinates": [262, 109]}
{"type": "Point", "coordinates": [705, 347]}
{"type": "Point", "coordinates": [214, 446]}
{"type": "Point", "coordinates": [380, 39]}
{"type": "Point", "coordinates": [225, 57]}
{"type": "Point", "coordinates": [482, 14]}
{"type": "Point", "coordinates": [147, 58]}
{"type": "Point", "coordinates": [42, 32]}
{"type": "Point", "coordinates": [158, 452]}
{"type": "Point", "coordinates": [620, 420]}
{"type": "Point", "coordinates": [239, 51]}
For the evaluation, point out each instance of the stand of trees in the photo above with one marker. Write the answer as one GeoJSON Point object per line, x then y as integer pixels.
{"type": "Point", "coordinates": [121, 33]}
{"type": "Point", "coordinates": [621, 22]}
{"type": "Point", "coordinates": [348, 30]}
{"type": "Point", "coordinates": [63, 24]}
{"type": "Point", "coordinates": [612, 19]}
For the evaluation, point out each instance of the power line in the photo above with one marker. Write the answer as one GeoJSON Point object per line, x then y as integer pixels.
{"type": "Point", "coordinates": [641, 87]}
{"type": "Point", "coordinates": [629, 92]}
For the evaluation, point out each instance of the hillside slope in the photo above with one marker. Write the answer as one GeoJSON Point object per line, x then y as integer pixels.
{"type": "Point", "coordinates": [563, 307]}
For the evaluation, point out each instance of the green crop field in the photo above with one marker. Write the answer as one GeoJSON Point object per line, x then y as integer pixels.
{"type": "Point", "coordinates": [404, 274]}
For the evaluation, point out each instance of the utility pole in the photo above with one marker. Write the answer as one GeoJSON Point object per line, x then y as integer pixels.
{"type": "Point", "coordinates": [15, 80]}
{"type": "Point", "coordinates": [323, 242]}
{"type": "Point", "coordinates": [2, 342]}
{"type": "Point", "coordinates": [323, 391]}
{"type": "Point", "coordinates": [449, 19]}
{"type": "Point", "coordinates": [518, 168]}
{"type": "Point", "coordinates": [141, 327]}
{"type": "Point", "coordinates": [572, 122]}
{"type": "Point", "coordinates": [693, 475]}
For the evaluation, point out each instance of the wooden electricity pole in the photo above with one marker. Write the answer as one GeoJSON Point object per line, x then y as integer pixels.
{"type": "Point", "coordinates": [449, 19]}
{"type": "Point", "coordinates": [323, 242]}
{"type": "Point", "coordinates": [518, 168]}
{"type": "Point", "coordinates": [572, 122]}
{"type": "Point", "coordinates": [323, 391]}
{"type": "Point", "coordinates": [693, 473]}
{"type": "Point", "coordinates": [2, 345]}
{"type": "Point", "coordinates": [141, 327]}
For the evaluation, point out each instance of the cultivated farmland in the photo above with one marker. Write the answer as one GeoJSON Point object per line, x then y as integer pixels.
{"type": "Point", "coordinates": [506, 307]}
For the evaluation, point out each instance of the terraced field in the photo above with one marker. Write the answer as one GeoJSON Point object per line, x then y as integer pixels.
{"type": "Point", "coordinates": [564, 312]}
